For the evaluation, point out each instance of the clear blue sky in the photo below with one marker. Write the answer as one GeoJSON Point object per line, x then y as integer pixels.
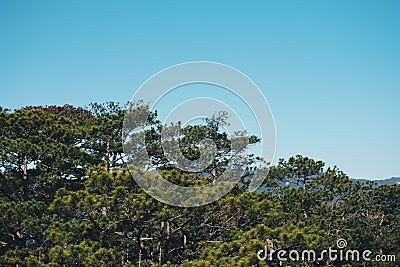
{"type": "Point", "coordinates": [329, 69]}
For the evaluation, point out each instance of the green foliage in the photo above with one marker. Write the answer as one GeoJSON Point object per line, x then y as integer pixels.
{"type": "Point", "coordinates": [67, 199]}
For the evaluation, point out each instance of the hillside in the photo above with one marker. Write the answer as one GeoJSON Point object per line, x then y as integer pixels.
{"type": "Point", "coordinates": [389, 181]}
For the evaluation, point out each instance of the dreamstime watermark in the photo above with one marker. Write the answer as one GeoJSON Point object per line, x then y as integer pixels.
{"type": "Point", "coordinates": [339, 253]}
{"type": "Point", "coordinates": [161, 84]}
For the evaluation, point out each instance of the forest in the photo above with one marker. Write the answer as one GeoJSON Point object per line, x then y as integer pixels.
{"type": "Point", "coordinates": [67, 198]}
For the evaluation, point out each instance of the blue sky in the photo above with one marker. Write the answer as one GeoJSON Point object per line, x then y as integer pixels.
{"type": "Point", "coordinates": [330, 70]}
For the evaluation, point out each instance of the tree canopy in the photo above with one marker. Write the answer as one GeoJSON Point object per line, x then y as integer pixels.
{"type": "Point", "coordinates": [68, 199]}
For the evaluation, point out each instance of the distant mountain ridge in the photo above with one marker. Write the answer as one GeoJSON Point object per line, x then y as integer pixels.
{"type": "Point", "coordinates": [389, 181]}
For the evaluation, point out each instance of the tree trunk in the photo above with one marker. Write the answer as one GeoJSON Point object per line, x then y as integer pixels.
{"type": "Point", "coordinates": [108, 155]}
{"type": "Point", "coordinates": [25, 167]}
